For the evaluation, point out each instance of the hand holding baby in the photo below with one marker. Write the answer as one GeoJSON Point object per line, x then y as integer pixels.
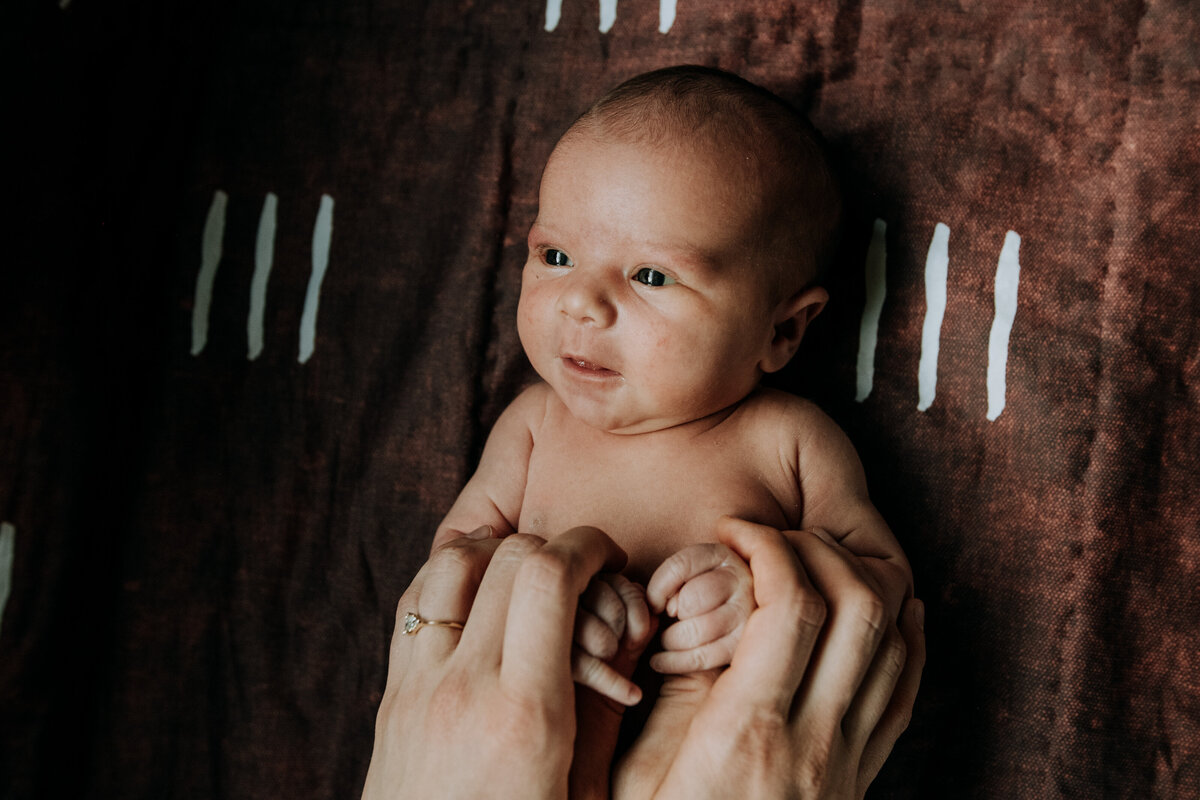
{"type": "Point", "coordinates": [821, 685]}
{"type": "Point", "coordinates": [814, 699]}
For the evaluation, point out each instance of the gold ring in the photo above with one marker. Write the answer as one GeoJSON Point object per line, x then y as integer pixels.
{"type": "Point", "coordinates": [413, 622]}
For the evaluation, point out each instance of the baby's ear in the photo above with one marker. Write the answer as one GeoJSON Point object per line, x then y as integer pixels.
{"type": "Point", "coordinates": [791, 320]}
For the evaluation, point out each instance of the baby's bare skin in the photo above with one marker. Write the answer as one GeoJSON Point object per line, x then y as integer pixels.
{"type": "Point", "coordinates": [774, 459]}
{"type": "Point", "coordinates": [654, 298]}
{"type": "Point", "coordinates": [658, 492]}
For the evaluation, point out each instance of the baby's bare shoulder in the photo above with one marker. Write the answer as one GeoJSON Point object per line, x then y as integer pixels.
{"type": "Point", "coordinates": [798, 427]}
{"type": "Point", "coordinates": [771, 412]}
{"type": "Point", "coordinates": [532, 405]}
{"type": "Point", "coordinates": [765, 403]}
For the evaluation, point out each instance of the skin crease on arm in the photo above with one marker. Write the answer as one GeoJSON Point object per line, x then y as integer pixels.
{"type": "Point", "coordinates": [493, 495]}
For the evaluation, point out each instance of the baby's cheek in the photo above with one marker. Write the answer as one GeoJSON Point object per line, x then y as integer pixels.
{"type": "Point", "coordinates": [527, 325]}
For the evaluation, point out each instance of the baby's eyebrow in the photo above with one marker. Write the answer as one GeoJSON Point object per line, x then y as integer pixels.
{"type": "Point", "coordinates": [539, 230]}
{"type": "Point", "coordinates": [690, 254]}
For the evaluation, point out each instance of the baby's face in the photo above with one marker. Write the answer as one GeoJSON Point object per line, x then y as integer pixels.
{"type": "Point", "coordinates": [642, 304]}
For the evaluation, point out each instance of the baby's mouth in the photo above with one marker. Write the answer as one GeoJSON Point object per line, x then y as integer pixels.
{"type": "Point", "coordinates": [585, 367]}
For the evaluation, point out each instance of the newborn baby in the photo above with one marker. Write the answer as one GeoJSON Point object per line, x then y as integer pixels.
{"type": "Point", "coordinates": [684, 224]}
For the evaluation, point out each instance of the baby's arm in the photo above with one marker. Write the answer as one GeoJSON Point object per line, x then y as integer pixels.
{"type": "Point", "coordinates": [834, 489]}
{"type": "Point", "coordinates": [494, 494]}
{"type": "Point", "coordinates": [707, 588]}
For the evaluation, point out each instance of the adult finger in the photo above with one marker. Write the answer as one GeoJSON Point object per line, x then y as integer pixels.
{"type": "Point", "coordinates": [894, 580]}
{"type": "Point", "coordinates": [541, 611]}
{"type": "Point", "coordinates": [899, 710]}
{"type": "Point", "coordinates": [443, 589]}
{"type": "Point", "coordinates": [876, 690]}
{"type": "Point", "coordinates": [779, 636]}
{"type": "Point", "coordinates": [483, 635]}
{"type": "Point", "coordinates": [857, 621]}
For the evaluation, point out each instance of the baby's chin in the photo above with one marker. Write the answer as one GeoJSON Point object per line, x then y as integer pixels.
{"type": "Point", "coordinates": [611, 409]}
{"type": "Point", "coordinates": [627, 424]}
{"type": "Point", "coordinates": [601, 417]}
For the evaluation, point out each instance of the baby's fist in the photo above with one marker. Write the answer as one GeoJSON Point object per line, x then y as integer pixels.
{"type": "Point", "coordinates": [611, 629]}
{"type": "Point", "coordinates": [708, 589]}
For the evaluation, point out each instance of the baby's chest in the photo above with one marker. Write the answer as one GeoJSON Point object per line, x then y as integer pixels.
{"type": "Point", "coordinates": [652, 502]}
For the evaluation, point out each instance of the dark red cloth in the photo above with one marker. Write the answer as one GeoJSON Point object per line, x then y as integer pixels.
{"type": "Point", "coordinates": [209, 549]}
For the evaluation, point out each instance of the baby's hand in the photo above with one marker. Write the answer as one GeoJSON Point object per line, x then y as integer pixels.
{"type": "Point", "coordinates": [612, 627]}
{"type": "Point", "coordinates": [707, 587]}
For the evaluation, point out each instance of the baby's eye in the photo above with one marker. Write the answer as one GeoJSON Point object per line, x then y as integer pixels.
{"type": "Point", "coordinates": [556, 258]}
{"type": "Point", "coordinates": [652, 277]}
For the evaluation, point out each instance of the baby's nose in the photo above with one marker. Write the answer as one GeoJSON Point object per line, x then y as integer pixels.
{"type": "Point", "coordinates": [587, 301]}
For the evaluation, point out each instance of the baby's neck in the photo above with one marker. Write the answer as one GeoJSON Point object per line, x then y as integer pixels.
{"type": "Point", "coordinates": [686, 430]}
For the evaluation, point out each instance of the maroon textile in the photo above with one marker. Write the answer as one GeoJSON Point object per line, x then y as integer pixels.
{"type": "Point", "coordinates": [209, 547]}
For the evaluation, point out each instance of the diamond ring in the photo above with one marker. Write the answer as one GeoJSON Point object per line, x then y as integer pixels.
{"type": "Point", "coordinates": [413, 622]}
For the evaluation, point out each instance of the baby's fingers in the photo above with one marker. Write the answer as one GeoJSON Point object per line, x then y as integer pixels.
{"type": "Point", "coordinates": [612, 612]}
{"type": "Point", "coordinates": [719, 623]}
{"type": "Point", "coordinates": [707, 591]}
{"type": "Point", "coordinates": [638, 627]}
{"type": "Point", "coordinates": [589, 671]}
{"type": "Point", "coordinates": [594, 636]}
{"type": "Point", "coordinates": [684, 566]}
{"type": "Point", "coordinates": [602, 599]}
{"type": "Point", "coordinates": [696, 659]}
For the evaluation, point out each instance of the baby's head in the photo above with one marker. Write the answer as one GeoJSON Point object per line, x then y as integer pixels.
{"type": "Point", "coordinates": [684, 221]}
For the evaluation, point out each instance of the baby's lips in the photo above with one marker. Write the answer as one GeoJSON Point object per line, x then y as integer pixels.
{"type": "Point", "coordinates": [587, 363]}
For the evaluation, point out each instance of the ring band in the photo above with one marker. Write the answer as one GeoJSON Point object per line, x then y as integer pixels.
{"type": "Point", "coordinates": [413, 622]}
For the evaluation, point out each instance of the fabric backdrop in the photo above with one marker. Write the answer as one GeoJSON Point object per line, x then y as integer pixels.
{"type": "Point", "coordinates": [257, 317]}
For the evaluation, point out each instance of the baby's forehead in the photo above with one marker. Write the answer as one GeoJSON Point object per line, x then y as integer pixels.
{"type": "Point", "coordinates": [712, 159]}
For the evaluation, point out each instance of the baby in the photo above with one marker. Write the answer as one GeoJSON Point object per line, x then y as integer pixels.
{"type": "Point", "coordinates": [684, 223]}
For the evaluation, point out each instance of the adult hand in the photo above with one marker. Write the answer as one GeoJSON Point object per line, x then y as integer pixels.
{"type": "Point", "coordinates": [486, 711]}
{"type": "Point", "coordinates": [820, 687]}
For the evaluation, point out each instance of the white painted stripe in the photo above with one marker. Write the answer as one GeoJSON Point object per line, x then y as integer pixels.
{"type": "Point", "coordinates": [937, 265]}
{"type": "Point", "coordinates": [608, 15]}
{"type": "Point", "coordinates": [666, 15]}
{"type": "Point", "coordinates": [553, 13]}
{"type": "Point", "coordinates": [1008, 275]}
{"type": "Point", "coordinates": [264, 256]}
{"type": "Point", "coordinates": [210, 258]}
{"type": "Point", "coordinates": [322, 236]}
{"type": "Point", "coordinates": [868, 331]}
{"type": "Point", "coordinates": [8, 547]}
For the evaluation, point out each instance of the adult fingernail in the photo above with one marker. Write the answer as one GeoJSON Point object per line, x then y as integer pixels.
{"type": "Point", "coordinates": [482, 532]}
{"type": "Point", "coordinates": [919, 614]}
